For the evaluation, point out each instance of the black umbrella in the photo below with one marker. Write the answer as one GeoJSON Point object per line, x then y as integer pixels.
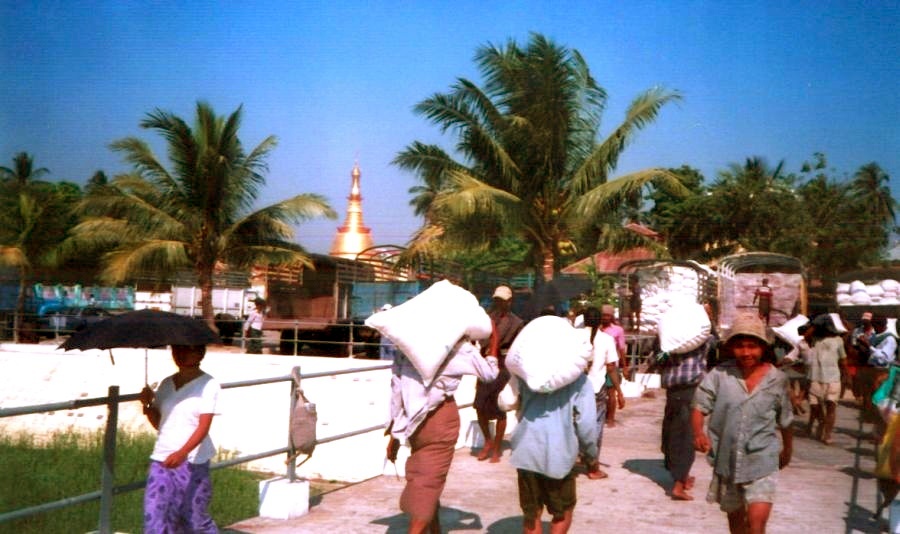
{"type": "Point", "coordinates": [142, 329]}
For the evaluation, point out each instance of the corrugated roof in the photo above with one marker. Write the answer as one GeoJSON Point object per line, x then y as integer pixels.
{"type": "Point", "coordinates": [608, 262]}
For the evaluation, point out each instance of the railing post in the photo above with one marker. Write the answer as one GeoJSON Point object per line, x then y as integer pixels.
{"type": "Point", "coordinates": [350, 344]}
{"type": "Point", "coordinates": [296, 335]}
{"type": "Point", "coordinates": [107, 474]}
{"type": "Point", "coordinates": [291, 453]}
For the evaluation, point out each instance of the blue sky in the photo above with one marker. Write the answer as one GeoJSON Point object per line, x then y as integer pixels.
{"type": "Point", "coordinates": [336, 82]}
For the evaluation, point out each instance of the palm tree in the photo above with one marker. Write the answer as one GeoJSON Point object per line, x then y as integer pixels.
{"type": "Point", "coordinates": [22, 172]}
{"type": "Point", "coordinates": [871, 188]}
{"type": "Point", "coordinates": [530, 165]}
{"type": "Point", "coordinates": [34, 216]}
{"type": "Point", "coordinates": [198, 214]}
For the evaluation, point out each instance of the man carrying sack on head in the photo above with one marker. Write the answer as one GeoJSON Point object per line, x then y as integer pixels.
{"type": "Point", "coordinates": [506, 325]}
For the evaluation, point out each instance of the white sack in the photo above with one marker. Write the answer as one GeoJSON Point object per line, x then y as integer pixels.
{"type": "Point", "coordinates": [856, 286]}
{"type": "Point", "coordinates": [683, 328]}
{"type": "Point", "coordinates": [890, 285]}
{"type": "Point", "coordinates": [428, 326]}
{"type": "Point", "coordinates": [838, 323]}
{"type": "Point", "coordinates": [549, 353]}
{"type": "Point", "coordinates": [788, 331]}
{"type": "Point", "coordinates": [631, 390]}
{"type": "Point", "coordinates": [508, 399]}
{"type": "Point", "coordinates": [875, 290]}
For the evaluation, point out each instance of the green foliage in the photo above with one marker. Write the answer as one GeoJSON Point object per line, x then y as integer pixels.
{"type": "Point", "coordinates": [68, 464]}
{"type": "Point", "coordinates": [197, 212]}
{"type": "Point", "coordinates": [603, 288]}
{"type": "Point", "coordinates": [831, 225]}
{"type": "Point", "coordinates": [35, 216]}
{"type": "Point", "coordinates": [531, 166]}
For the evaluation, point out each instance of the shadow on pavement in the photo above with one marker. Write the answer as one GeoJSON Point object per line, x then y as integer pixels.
{"type": "Point", "coordinates": [860, 519]}
{"type": "Point", "coordinates": [511, 524]}
{"type": "Point", "coordinates": [452, 519]}
{"type": "Point", "coordinates": [654, 469]}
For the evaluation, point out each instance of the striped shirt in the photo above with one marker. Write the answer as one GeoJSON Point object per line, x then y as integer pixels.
{"type": "Point", "coordinates": [684, 369]}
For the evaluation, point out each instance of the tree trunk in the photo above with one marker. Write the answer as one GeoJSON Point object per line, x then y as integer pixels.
{"type": "Point", "coordinates": [20, 306]}
{"type": "Point", "coordinates": [548, 263]}
{"type": "Point", "coordinates": [205, 279]}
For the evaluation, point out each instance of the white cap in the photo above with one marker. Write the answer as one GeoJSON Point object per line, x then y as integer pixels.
{"type": "Point", "coordinates": [503, 292]}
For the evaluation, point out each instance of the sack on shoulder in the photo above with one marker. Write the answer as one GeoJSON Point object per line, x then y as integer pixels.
{"type": "Point", "coordinates": [303, 422]}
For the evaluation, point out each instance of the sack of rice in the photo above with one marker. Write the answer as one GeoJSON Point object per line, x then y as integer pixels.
{"type": "Point", "coordinates": [842, 287]}
{"type": "Point", "coordinates": [428, 326]}
{"type": "Point", "coordinates": [683, 328]}
{"type": "Point", "coordinates": [860, 297]}
{"type": "Point", "coordinates": [891, 285]}
{"type": "Point", "coordinates": [788, 331]}
{"type": "Point", "coordinates": [549, 353]}
{"type": "Point", "coordinates": [857, 286]}
{"type": "Point", "coordinates": [838, 323]}
{"type": "Point", "coordinates": [875, 290]}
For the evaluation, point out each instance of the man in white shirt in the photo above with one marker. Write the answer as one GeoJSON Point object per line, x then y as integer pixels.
{"type": "Point", "coordinates": [605, 356]}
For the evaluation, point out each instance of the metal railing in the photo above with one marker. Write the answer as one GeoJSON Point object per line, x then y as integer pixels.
{"type": "Point", "coordinates": [334, 339]}
{"type": "Point", "coordinates": [108, 489]}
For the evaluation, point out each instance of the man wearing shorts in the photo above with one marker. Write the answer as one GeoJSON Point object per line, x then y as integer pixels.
{"type": "Point", "coordinates": [827, 369]}
{"type": "Point", "coordinates": [747, 403]}
{"type": "Point", "coordinates": [565, 420]}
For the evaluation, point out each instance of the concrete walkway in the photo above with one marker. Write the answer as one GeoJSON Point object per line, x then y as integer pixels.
{"type": "Point", "coordinates": [826, 489]}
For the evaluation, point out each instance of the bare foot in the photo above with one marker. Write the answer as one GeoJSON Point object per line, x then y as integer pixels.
{"type": "Point", "coordinates": [495, 458]}
{"type": "Point", "coordinates": [689, 484]}
{"type": "Point", "coordinates": [596, 474]}
{"type": "Point", "coordinates": [485, 452]}
{"type": "Point", "coordinates": [681, 495]}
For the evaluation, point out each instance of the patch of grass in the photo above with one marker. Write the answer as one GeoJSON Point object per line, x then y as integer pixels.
{"type": "Point", "coordinates": [69, 464]}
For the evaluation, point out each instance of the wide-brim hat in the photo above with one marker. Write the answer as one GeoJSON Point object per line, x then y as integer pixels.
{"type": "Point", "coordinates": [749, 326]}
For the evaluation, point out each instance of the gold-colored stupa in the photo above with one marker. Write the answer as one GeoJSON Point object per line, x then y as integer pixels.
{"type": "Point", "coordinates": [353, 237]}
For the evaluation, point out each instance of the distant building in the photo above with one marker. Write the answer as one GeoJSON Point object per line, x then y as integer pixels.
{"type": "Point", "coordinates": [353, 237]}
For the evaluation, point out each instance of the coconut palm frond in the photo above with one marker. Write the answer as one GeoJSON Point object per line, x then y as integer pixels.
{"type": "Point", "coordinates": [148, 256]}
{"type": "Point", "coordinates": [603, 160]}
{"type": "Point", "coordinates": [470, 196]}
{"type": "Point", "coordinates": [608, 196]}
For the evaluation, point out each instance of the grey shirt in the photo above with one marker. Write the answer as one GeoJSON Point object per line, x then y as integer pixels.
{"type": "Point", "coordinates": [823, 365]}
{"type": "Point", "coordinates": [743, 426]}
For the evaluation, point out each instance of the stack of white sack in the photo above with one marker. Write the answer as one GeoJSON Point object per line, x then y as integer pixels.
{"type": "Point", "coordinates": [660, 289]}
{"type": "Point", "coordinates": [549, 353]}
{"type": "Point", "coordinates": [858, 293]}
{"type": "Point", "coordinates": [428, 326]}
{"type": "Point", "coordinates": [683, 328]}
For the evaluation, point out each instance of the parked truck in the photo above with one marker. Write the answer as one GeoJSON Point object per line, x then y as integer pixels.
{"type": "Point", "coordinates": [322, 310]}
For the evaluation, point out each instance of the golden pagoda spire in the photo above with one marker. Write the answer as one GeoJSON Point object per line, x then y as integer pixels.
{"type": "Point", "coordinates": [353, 237]}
